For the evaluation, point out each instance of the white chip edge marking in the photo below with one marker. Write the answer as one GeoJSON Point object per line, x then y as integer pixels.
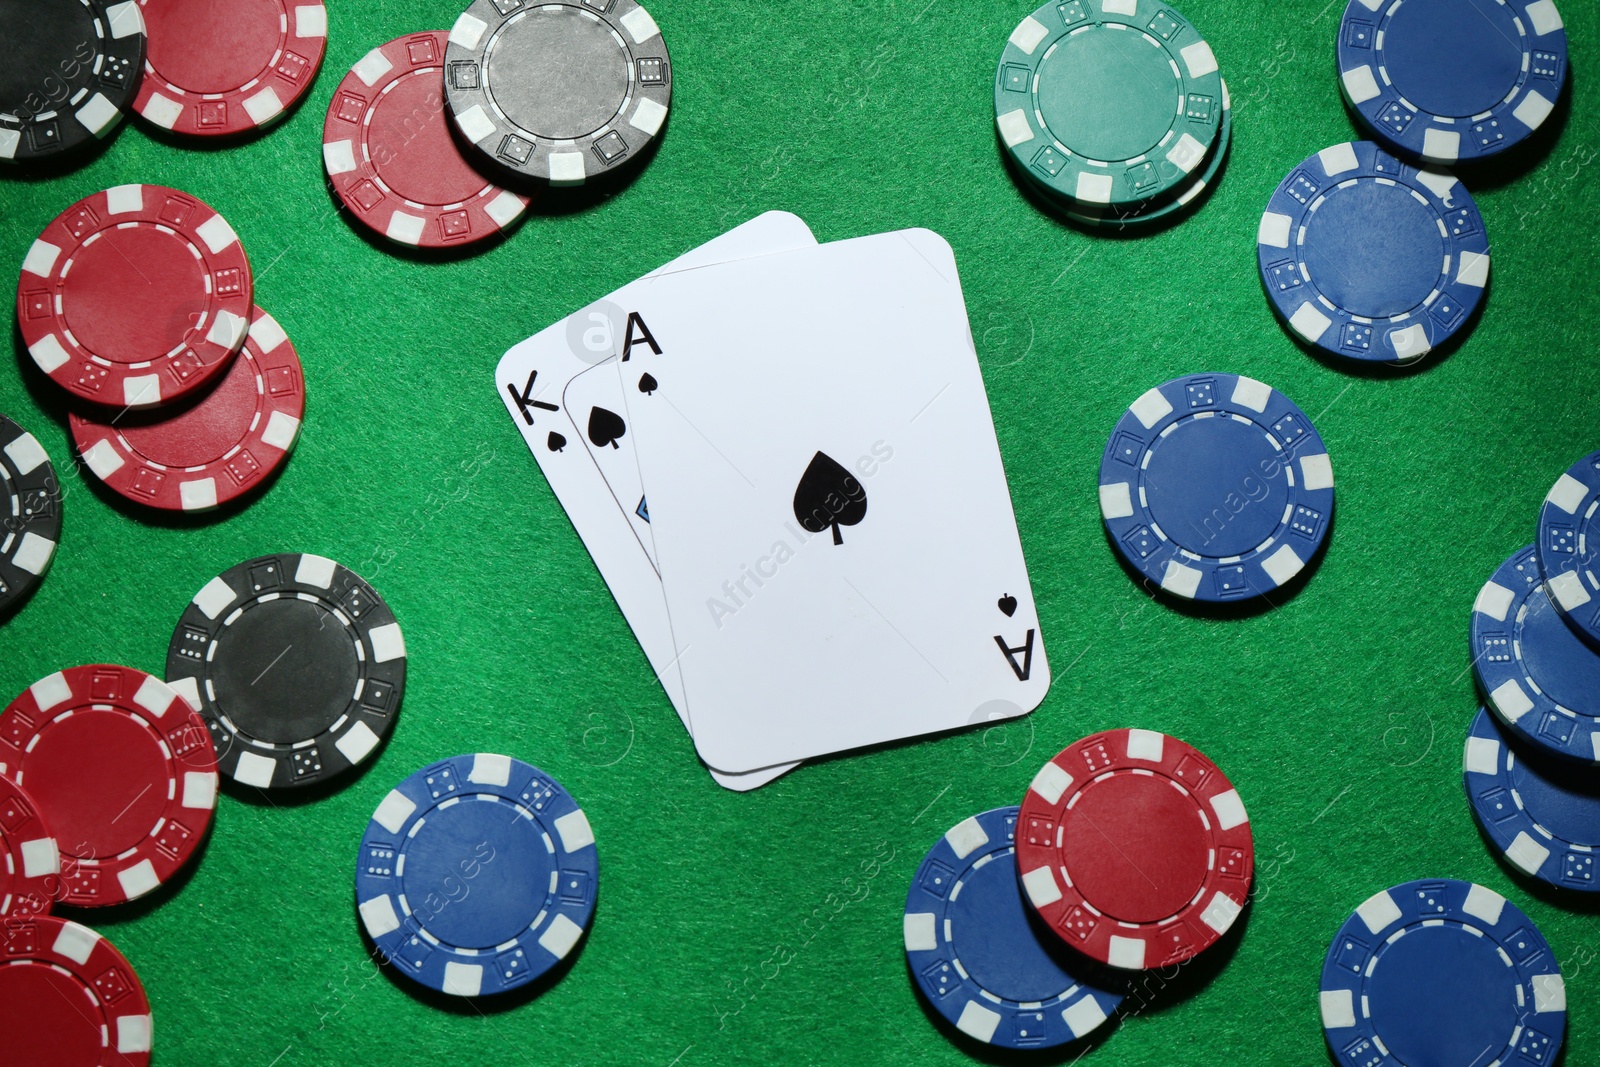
{"type": "Point", "coordinates": [98, 114]}
{"type": "Point", "coordinates": [125, 19]}
{"type": "Point", "coordinates": [1309, 323]}
{"type": "Point", "coordinates": [1029, 32]}
{"type": "Point", "coordinates": [1511, 700]}
{"type": "Point", "coordinates": [648, 116]}
{"type": "Point", "coordinates": [138, 880]}
{"type": "Point", "coordinates": [1252, 394]}
{"type": "Point", "coordinates": [1481, 755]}
{"type": "Point", "coordinates": [1230, 809]}
{"type": "Point", "coordinates": [266, 333]}
{"type": "Point", "coordinates": [1543, 17]}
{"type": "Point", "coordinates": [75, 942]}
{"type": "Point", "coordinates": [1116, 501]}
{"type": "Point", "coordinates": [40, 857]}
{"type": "Point", "coordinates": [966, 837]}
{"type": "Point", "coordinates": [189, 690]}
{"type": "Point", "coordinates": [1199, 58]}
{"type": "Point", "coordinates": [1568, 494]}
{"type": "Point", "coordinates": [229, 331]}
{"type": "Point", "coordinates": [393, 811]}
{"type": "Point", "coordinates": [217, 234]}
{"type": "Point", "coordinates": [1485, 904]}
{"type": "Point", "coordinates": [378, 916]}
{"type": "Point", "coordinates": [1474, 269]}
{"type": "Point", "coordinates": [1150, 408]}
{"type": "Point", "coordinates": [640, 26]}
{"type": "Point", "coordinates": [339, 157]}
{"type": "Point", "coordinates": [200, 790]}
{"type": "Point", "coordinates": [560, 937]}
{"type": "Point", "coordinates": [315, 571]}
{"type": "Point", "coordinates": [1220, 913]}
{"type": "Point", "coordinates": [978, 1022]}
{"type": "Point", "coordinates": [468, 31]}
{"type": "Point", "coordinates": [26, 453]}
{"type": "Point", "coordinates": [1549, 993]}
{"type": "Point", "coordinates": [1283, 565]}
{"type": "Point", "coordinates": [143, 391]}
{"type": "Point", "coordinates": [1316, 472]}
{"type": "Point", "coordinates": [357, 743]}
{"type": "Point", "coordinates": [1051, 783]}
{"type": "Point", "coordinates": [34, 553]}
{"type": "Point", "coordinates": [163, 111]}
{"type": "Point", "coordinates": [10, 140]}
{"type": "Point", "coordinates": [921, 931]}
{"type": "Point", "coordinates": [1441, 146]}
{"type": "Point", "coordinates": [1119, 7]}
{"type": "Point", "coordinates": [133, 1033]}
{"type": "Point", "coordinates": [1274, 230]}
{"type": "Point", "coordinates": [282, 431]}
{"type": "Point", "coordinates": [1533, 110]}
{"type": "Point", "coordinates": [1338, 159]}
{"type": "Point", "coordinates": [1527, 853]}
{"type": "Point", "coordinates": [1083, 1016]}
{"type": "Point", "coordinates": [405, 229]}
{"type": "Point", "coordinates": [264, 106]}
{"type": "Point", "coordinates": [199, 494]}
{"type": "Point", "coordinates": [1040, 885]}
{"type": "Point", "coordinates": [310, 21]}
{"type": "Point", "coordinates": [1338, 1006]}
{"type": "Point", "coordinates": [49, 353]}
{"type": "Point", "coordinates": [41, 258]}
{"type": "Point", "coordinates": [51, 691]}
{"type": "Point", "coordinates": [505, 208]}
{"type": "Point", "coordinates": [1015, 128]}
{"type": "Point", "coordinates": [254, 770]}
{"type": "Point", "coordinates": [1180, 580]}
{"type": "Point", "coordinates": [1360, 84]}
{"type": "Point", "coordinates": [574, 830]}
{"type": "Point", "coordinates": [372, 67]}
{"type": "Point", "coordinates": [475, 124]}
{"type": "Point", "coordinates": [1126, 952]}
{"type": "Point", "coordinates": [1378, 912]}
{"type": "Point", "coordinates": [388, 643]}
{"type": "Point", "coordinates": [1094, 188]}
{"type": "Point", "coordinates": [568, 168]}
{"type": "Point", "coordinates": [1186, 153]}
{"type": "Point", "coordinates": [215, 598]}
{"type": "Point", "coordinates": [464, 979]}
{"type": "Point", "coordinates": [1494, 600]}
{"type": "Point", "coordinates": [490, 769]}
{"type": "Point", "coordinates": [1147, 745]}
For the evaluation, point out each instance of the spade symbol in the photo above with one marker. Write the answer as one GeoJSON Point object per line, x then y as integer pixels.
{"type": "Point", "coordinates": [556, 442]}
{"type": "Point", "coordinates": [605, 427]}
{"type": "Point", "coordinates": [829, 497]}
{"type": "Point", "coordinates": [648, 385]}
{"type": "Point", "coordinates": [1007, 604]}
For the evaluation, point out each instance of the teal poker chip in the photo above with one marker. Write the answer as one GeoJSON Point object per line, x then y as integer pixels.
{"type": "Point", "coordinates": [1110, 102]}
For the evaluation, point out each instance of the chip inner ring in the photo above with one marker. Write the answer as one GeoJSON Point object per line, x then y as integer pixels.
{"type": "Point", "coordinates": [35, 990]}
{"type": "Point", "coordinates": [1136, 846]}
{"type": "Point", "coordinates": [143, 266]}
{"type": "Point", "coordinates": [1436, 995]}
{"type": "Point", "coordinates": [1373, 249]}
{"type": "Point", "coordinates": [286, 670]}
{"type": "Point", "coordinates": [563, 100]}
{"type": "Point", "coordinates": [1108, 93]}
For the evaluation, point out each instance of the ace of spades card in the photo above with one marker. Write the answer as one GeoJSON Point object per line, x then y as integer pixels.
{"type": "Point", "coordinates": [830, 514]}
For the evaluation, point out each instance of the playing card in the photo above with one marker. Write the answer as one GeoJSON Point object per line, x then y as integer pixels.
{"type": "Point", "coordinates": [594, 402]}
{"type": "Point", "coordinates": [531, 378]}
{"type": "Point", "coordinates": [827, 502]}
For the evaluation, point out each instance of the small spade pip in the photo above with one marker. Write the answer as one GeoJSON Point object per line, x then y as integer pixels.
{"type": "Point", "coordinates": [829, 497]}
{"type": "Point", "coordinates": [556, 441]}
{"type": "Point", "coordinates": [606, 427]}
{"type": "Point", "coordinates": [648, 385]}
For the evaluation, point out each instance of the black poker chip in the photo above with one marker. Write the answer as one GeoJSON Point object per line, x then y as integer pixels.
{"type": "Point", "coordinates": [72, 68]}
{"type": "Point", "coordinates": [297, 666]}
{"type": "Point", "coordinates": [30, 513]}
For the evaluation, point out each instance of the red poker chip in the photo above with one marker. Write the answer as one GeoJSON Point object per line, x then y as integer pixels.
{"type": "Point", "coordinates": [68, 998]}
{"type": "Point", "coordinates": [393, 162]}
{"type": "Point", "coordinates": [1135, 849]}
{"type": "Point", "coordinates": [213, 69]}
{"type": "Point", "coordinates": [135, 296]}
{"type": "Point", "coordinates": [216, 451]}
{"type": "Point", "coordinates": [124, 772]}
{"type": "Point", "coordinates": [30, 865]}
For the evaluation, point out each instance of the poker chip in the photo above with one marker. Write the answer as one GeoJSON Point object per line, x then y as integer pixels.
{"type": "Point", "coordinates": [1135, 849]}
{"type": "Point", "coordinates": [559, 90]}
{"type": "Point", "coordinates": [1442, 971]}
{"type": "Point", "coordinates": [71, 70]}
{"type": "Point", "coordinates": [123, 772]}
{"type": "Point", "coordinates": [474, 899]}
{"type": "Point", "coordinates": [391, 156]}
{"type": "Point", "coordinates": [1371, 259]}
{"type": "Point", "coordinates": [30, 863]}
{"type": "Point", "coordinates": [1538, 674]}
{"type": "Point", "coordinates": [297, 666]}
{"type": "Point", "coordinates": [976, 954]}
{"type": "Point", "coordinates": [1452, 80]}
{"type": "Point", "coordinates": [1107, 103]}
{"type": "Point", "coordinates": [68, 998]}
{"type": "Point", "coordinates": [220, 449]}
{"type": "Point", "coordinates": [30, 512]}
{"type": "Point", "coordinates": [217, 69]}
{"type": "Point", "coordinates": [1141, 215]}
{"type": "Point", "coordinates": [135, 297]}
{"type": "Point", "coordinates": [1543, 814]}
{"type": "Point", "coordinates": [1216, 487]}
{"type": "Point", "coordinates": [1569, 537]}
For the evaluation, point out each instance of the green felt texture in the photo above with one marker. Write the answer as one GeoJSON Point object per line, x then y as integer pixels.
{"type": "Point", "coordinates": [766, 928]}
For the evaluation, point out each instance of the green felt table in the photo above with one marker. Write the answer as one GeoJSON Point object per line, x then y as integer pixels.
{"type": "Point", "coordinates": [766, 928]}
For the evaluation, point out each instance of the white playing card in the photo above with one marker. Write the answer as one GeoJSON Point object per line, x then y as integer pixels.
{"type": "Point", "coordinates": [829, 509]}
{"type": "Point", "coordinates": [594, 402]}
{"type": "Point", "coordinates": [531, 378]}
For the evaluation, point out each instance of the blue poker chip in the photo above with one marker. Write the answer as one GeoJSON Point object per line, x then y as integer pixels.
{"type": "Point", "coordinates": [1543, 814]}
{"type": "Point", "coordinates": [1569, 544]}
{"type": "Point", "coordinates": [1448, 80]}
{"type": "Point", "coordinates": [1216, 487]}
{"type": "Point", "coordinates": [976, 955]}
{"type": "Point", "coordinates": [1372, 259]}
{"type": "Point", "coordinates": [1537, 673]}
{"type": "Point", "coordinates": [477, 875]}
{"type": "Point", "coordinates": [1442, 972]}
